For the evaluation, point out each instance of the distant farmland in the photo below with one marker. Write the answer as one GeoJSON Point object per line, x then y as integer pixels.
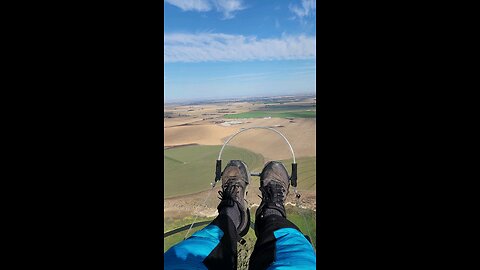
{"type": "Point", "coordinates": [262, 114]}
{"type": "Point", "coordinates": [279, 111]}
{"type": "Point", "coordinates": [191, 169]}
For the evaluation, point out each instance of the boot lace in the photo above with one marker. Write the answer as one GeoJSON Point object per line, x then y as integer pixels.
{"type": "Point", "coordinates": [273, 192]}
{"type": "Point", "coordinates": [229, 192]}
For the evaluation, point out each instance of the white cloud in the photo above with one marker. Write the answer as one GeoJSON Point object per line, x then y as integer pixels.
{"type": "Point", "coordinates": [186, 5]}
{"type": "Point", "coordinates": [206, 47]}
{"type": "Point", "coordinates": [307, 8]}
{"type": "Point", "coordinates": [226, 7]}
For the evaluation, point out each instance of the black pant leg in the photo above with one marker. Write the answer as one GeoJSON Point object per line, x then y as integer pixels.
{"type": "Point", "coordinates": [224, 256]}
{"type": "Point", "coordinates": [264, 250]}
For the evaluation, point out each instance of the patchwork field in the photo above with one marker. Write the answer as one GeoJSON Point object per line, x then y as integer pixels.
{"type": "Point", "coordinates": [279, 111]}
{"type": "Point", "coordinates": [199, 134]}
{"type": "Point", "coordinates": [276, 114]}
{"type": "Point", "coordinates": [300, 132]}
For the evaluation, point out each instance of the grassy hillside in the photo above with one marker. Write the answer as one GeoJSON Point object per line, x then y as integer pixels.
{"type": "Point", "coordinates": [306, 174]}
{"type": "Point", "coordinates": [191, 169]}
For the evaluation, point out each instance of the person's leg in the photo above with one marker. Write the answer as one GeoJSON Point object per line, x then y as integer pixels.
{"type": "Point", "coordinates": [215, 246]}
{"type": "Point", "coordinates": [280, 244]}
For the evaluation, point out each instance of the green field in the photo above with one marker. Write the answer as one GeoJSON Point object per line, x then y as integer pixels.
{"type": "Point", "coordinates": [191, 169]}
{"type": "Point", "coordinates": [274, 114]}
{"type": "Point", "coordinates": [288, 107]}
{"type": "Point", "coordinates": [306, 172]}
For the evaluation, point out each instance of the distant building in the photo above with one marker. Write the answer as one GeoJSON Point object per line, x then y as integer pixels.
{"type": "Point", "coordinates": [230, 123]}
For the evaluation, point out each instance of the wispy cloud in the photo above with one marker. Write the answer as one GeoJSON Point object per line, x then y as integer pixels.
{"type": "Point", "coordinates": [188, 5]}
{"type": "Point", "coordinates": [307, 8]}
{"type": "Point", "coordinates": [241, 76]}
{"type": "Point", "coordinates": [206, 47]}
{"type": "Point", "coordinates": [226, 7]}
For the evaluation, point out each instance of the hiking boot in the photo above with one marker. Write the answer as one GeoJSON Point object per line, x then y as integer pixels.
{"type": "Point", "coordinates": [235, 179]}
{"type": "Point", "coordinates": [274, 184]}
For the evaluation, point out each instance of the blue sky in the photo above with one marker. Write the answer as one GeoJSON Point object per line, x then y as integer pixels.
{"type": "Point", "coordinates": [238, 48]}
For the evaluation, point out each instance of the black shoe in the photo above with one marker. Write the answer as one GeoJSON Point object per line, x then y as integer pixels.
{"type": "Point", "coordinates": [235, 179]}
{"type": "Point", "coordinates": [274, 184]}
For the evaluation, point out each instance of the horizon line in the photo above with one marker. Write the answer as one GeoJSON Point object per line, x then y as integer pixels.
{"type": "Point", "coordinates": [181, 100]}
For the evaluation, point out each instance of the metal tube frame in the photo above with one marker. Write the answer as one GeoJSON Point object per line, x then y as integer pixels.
{"type": "Point", "coordinates": [268, 128]}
